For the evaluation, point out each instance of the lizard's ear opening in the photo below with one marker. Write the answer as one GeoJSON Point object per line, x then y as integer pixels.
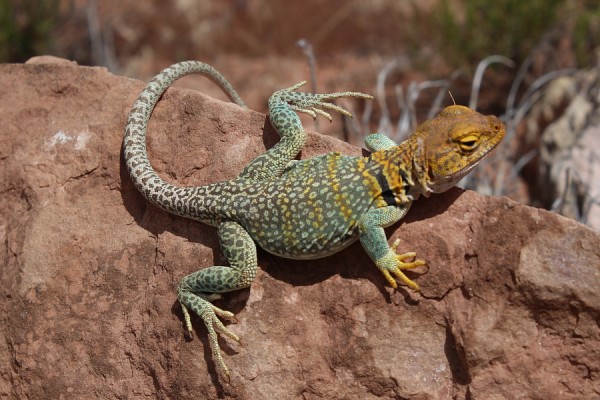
{"type": "Point", "coordinates": [431, 175]}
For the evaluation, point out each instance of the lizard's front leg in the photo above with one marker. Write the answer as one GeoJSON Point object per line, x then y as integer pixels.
{"type": "Point", "coordinates": [378, 141]}
{"type": "Point", "coordinates": [373, 240]}
{"type": "Point", "coordinates": [197, 289]}
{"type": "Point", "coordinates": [283, 106]}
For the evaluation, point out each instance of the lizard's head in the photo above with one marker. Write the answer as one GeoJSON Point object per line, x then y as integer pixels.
{"type": "Point", "coordinates": [453, 143]}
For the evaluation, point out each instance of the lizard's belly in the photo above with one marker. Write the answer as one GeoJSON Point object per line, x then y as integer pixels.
{"type": "Point", "coordinates": [308, 252]}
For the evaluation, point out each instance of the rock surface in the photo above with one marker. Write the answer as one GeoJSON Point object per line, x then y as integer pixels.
{"type": "Point", "coordinates": [509, 307]}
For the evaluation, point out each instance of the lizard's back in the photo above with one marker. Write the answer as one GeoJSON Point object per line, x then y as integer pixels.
{"type": "Point", "coordinates": [311, 210]}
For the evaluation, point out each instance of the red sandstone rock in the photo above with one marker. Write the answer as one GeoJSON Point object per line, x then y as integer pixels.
{"type": "Point", "coordinates": [509, 307]}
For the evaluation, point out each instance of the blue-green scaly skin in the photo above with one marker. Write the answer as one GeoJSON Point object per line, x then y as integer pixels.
{"type": "Point", "coordinates": [295, 209]}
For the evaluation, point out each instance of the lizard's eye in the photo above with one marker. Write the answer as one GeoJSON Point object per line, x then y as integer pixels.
{"type": "Point", "coordinates": [468, 143]}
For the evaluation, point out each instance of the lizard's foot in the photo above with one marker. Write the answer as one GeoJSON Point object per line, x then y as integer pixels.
{"type": "Point", "coordinates": [209, 314]}
{"type": "Point", "coordinates": [311, 103]}
{"type": "Point", "coordinates": [393, 264]}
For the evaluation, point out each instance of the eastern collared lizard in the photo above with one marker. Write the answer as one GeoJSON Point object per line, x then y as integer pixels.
{"type": "Point", "coordinates": [305, 209]}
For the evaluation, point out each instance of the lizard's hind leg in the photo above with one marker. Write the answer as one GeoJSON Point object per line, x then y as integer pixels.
{"type": "Point", "coordinates": [197, 289]}
{"type": "Point", "coordinates": [283, 106]}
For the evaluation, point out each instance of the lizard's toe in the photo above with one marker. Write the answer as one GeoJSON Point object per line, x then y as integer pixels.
{"type": "Point", "coordinates": [210, 316]}
{"type": "Point", "coordinates": [392, 265]}
{"type": "Point", "coordinates": [315, 104]}
{"type": "Point", "coordinates": [409, 265]}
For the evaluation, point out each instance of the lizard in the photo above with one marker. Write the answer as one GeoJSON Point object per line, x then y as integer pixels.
{"type": "Point", "coordinates": [304, 209]}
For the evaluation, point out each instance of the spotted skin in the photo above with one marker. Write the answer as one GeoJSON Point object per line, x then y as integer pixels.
{"type": "Point", "coordinates": [305, 209]}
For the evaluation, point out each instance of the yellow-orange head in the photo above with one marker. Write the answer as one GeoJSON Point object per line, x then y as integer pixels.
{"type": "Point", "coordinates": [450, 145]}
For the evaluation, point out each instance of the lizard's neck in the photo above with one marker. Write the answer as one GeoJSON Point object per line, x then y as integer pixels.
{"type": "Point", "coordinates": [405, 168]}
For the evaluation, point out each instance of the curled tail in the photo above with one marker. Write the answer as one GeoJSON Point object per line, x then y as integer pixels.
{"type": "Point", "coordinates": [177, 200]}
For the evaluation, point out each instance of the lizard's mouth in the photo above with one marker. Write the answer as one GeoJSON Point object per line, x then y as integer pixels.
{"type": "Point", "coordinates": [439, 184]}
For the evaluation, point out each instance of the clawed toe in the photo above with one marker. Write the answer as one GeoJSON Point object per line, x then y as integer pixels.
{"type": "Point", "coordinates": [393, 264]}
{"type": "Point", "coordinates": [409, 265]}
{"type": "Point", "coordinates": [210, 315]}
{"type": "Point", "coordinates": [312, 104]}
